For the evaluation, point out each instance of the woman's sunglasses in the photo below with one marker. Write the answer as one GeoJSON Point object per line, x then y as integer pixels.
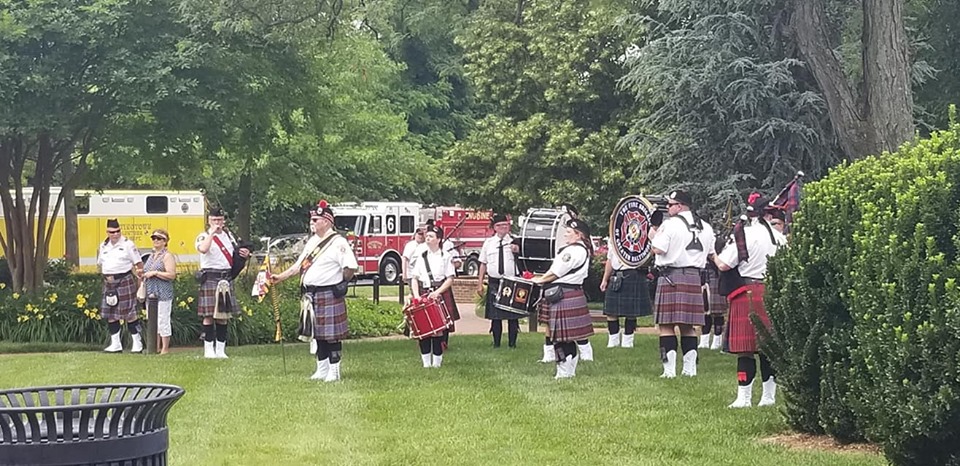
{"type": "Point", "coordinates": [158, 238]}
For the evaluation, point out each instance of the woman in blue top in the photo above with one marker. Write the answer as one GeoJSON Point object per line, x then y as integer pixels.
{"type": "Point", "coordinates": [159, 272]}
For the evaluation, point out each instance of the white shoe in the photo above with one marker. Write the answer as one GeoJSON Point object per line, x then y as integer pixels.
{"type": "Point", "coordinates": [323, 368]}
{"type": "Point", "coordinates": [208, 350]}
{"type": "Point", "coordinates": [769, 397]}
{"type": "Point", "coordinates": [549, 355]}
{"type": "Point", "coordinates": [586, 351]}
{"type": "Point", "coordinates": [627, 341]}
{"type": "Point", "coordinates": [613, 341]}
{"type": "Point", "coordinates": [137, 343]}
{"type": "Point", "coordinates": [717, 342]}
{"type": "Point", "coordinates": [426, 360]}
{"type": "Point", "coordinates": [690, 364]}
{"type": "Point", "coordinates": [115, 345]}
{"type": "Point", "coordinates": [313, 346]}
{"type": "Point", "coordinates": [744, 397]}
{"type": "Point", "coordinates": [566, 368]}
{"type": "Point", "coordinates": [704, 341]}
{"type": "Point", "coordinates": [670, 365]}
{"type": "Point", "coordinates": [220, 350]}
{"type": "Point", "coordinates": [437, 360]}
{"type": "Point", "coordinates": [333, 374]}
{"type": "Point", "coordinates": [572, 366]}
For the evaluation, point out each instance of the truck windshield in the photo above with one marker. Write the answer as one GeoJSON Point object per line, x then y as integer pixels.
{"type": "Point", "coordinates": [346, 223]}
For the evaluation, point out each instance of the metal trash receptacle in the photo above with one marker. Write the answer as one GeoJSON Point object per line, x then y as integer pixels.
{"type": "Point", "coordinates": [96, 424]}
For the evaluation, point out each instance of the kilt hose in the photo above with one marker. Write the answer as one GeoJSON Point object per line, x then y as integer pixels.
{"type": "Point", "coordinates": [632, 299]}
{"type": "Point", "coordinates": [207, 301]}
{"type": "Point", "coordinates": [329, 316]}
{"type": "Point", "coordinates": [492, 312]}
{"type": "Point", "coordinates": [741, 335]}
{"type": "Point", "coordinates": [716, 304]}
{"type": "Point", "coordinates": [567, 319]}
{"type": "Point", "coordinates": [126, 308]}
{"type": "Point", "coordinates": [679, 297]}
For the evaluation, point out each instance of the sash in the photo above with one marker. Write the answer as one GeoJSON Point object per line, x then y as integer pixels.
{"type": "Point", "coordinates": [224, 251]}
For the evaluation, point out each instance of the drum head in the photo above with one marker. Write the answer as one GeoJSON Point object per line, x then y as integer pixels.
{"type": "Point", "coordinates": [630, 230]}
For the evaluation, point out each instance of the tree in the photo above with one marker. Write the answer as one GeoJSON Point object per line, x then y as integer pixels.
{"type": "Point", "coordinates": [68, 70]}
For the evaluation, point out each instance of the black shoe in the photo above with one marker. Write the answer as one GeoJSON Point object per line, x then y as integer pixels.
{"type": "Point", "coordinates": [496, 344]}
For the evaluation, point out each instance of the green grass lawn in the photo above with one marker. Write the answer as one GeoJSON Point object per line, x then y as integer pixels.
{"type": "Point", "coordinates": [485, 406]}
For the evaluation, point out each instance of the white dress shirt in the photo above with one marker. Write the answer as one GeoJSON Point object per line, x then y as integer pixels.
{"type": "Point", "coordinates": [571, 264]}
{"type": "Point", "coordinates": [672, 238]}
{"type": "Point", "coordinates": [490, 255]}
{"type": "Point", "coordinates": [759, 248]}
{"type": "Point", "coordinates": [118, 258]}
{"type": "Point", "coordinates": [214, 258]}
{"type": "Point", "coordinates": [327, 268]}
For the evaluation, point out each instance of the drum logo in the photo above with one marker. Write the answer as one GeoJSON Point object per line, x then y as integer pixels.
{"type": "Point", "coordinates": [629, 228]}
{"type": "Point", "coordinates": [520, 296]}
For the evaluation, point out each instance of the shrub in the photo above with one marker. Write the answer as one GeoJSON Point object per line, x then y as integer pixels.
{"type": "Point", "coordinates": [865, 304]}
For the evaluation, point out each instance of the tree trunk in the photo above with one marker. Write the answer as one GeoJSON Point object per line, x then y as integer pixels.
{"type": "Point", "coordinates": [71, 225]}
{"type": "Point", "coordinates": [886, 73]}
{"type": "Point", "coordinates": [244, 198]}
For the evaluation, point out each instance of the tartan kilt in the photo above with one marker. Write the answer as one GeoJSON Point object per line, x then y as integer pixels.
{"type": "Point", "coordinates": [126, 308]}
{"type": "Point", "coordinates": [682, 302]}
{"type": "Point", "coordinates": [741, 335]}
{"type": "Point", "coordinates": [569, 319]}
{"type": "Point", "coordinates": [207, 300]}
{"type": "Point", "coordinates": [716, 303]}
{"type": "Point", "coordinates": [492, 312]}
{"type": "Point", "coordinates": [633, 298]}
{"type": "Point", "coordinates": [329, 316]}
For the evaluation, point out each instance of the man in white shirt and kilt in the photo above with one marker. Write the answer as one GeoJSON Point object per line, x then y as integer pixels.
{"type": "Point", "coordinates": [326, 266]}
{"type": "Point", "coordinates": [754, 242]}
{"type": "Point", "coordinates": [563, 307]}
{"type": "Point", "coordinates": [497, 261]}
{"type": "Point", "coordinates": [121, 266]}
{"type": "Point", "coordinates": [217, 302]}
{"type": "Point", "coordinates": [681, 245]}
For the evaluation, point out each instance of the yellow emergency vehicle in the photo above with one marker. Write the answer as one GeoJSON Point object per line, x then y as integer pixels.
{"type": "Point", "coordinates": [182, 213]}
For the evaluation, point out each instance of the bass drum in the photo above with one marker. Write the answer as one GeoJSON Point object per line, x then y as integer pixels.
{"type": "Point", "coordinates": [538, 240]}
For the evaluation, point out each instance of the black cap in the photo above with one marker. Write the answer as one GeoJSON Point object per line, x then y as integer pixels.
{"type": "Point", "coordinates": [436, 230]}
{"type": "Point", "coordinates": [497, 218]}
{"type": "Point", "coordinates": [579, 225]}
{"type": "Point", "coordinates": [215, 212]}
{"type": "Point", "coordinates": [682, 197]}
{"type": "Point", "coordinates": [113, 223]}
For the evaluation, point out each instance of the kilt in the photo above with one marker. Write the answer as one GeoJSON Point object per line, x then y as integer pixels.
{"type": "Point", "coordinates": [329, 316]}
{"type": "Point", "coordinates": [126, 308]}
{"type": "Point", "coordinates": [449, 302]}
{"type": "Point", "coordinates": [568, 319]}
{"type": "Point", "coordinates": [681, 302]}
{"type": "Point", "coordinates": [741, 335]}
{"type": "Point", "coordinates": [633, 298]}
{"type": "Point", "coordinates": [492, 312]}
{"type": "Point", "coordinates": [716, 304]}
{"type": "Point", "coordinates": [207, 301]}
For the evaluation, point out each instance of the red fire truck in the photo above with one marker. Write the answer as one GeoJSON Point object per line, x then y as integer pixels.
{"type": "Point", "coordinates": [379, 230]}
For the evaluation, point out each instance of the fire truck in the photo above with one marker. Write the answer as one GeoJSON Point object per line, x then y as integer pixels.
{"type": "Point", "coordinates": [378, 232]}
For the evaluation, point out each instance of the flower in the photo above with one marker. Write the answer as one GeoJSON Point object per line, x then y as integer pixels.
{"type": "Point", "coordinates": [2, 285]}
{"type": "Point", "coordinates": [182, 304]}
{"type": "Point", "coordinates": [29, 307]}
{"type": "Point", "coordinates": [190, 299]}
{"type": "Point", "coordinates": [40, 317]}
{"type": "Point", "coordinates": [52, 298]}
{"type": "Point", "coordinates": [22, 318]}
{"type": "Point", "coordinates": [16, 296]}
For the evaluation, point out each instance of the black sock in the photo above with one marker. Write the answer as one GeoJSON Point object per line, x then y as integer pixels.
{"type": "Point", "coordinates": [688, 344]}
{"type": "Point", "coordinates": [513, 330]}
{"type": "Point", "coordinates": [323, 350]}
{"type": "Point", "coordinates": [222, 333]}
{"type": "Point", "coordinates": [444, 341]}
{"type": "Point", "coordinates": [746, 370]}
{"type": "Point", "coordinates": [718, 325]}
{"type": "Point", "coordinates": [438, 344]}
{"type": "Point", "coordinates": [766, 369]}
{"type": "Point", "coordinates": [425, 345]}
{"type": "Point", "coordinates": [208, 332]}
{"type": "Point", "coordinates": [496, 327]}
{"type": "Point", "coordinates": [564, 349]}
{"type": "Point", "coordinates": [613, 326]}
{"type": "Point", "coordinates": [113, 327]}
{"type": "Point", "coordinates": [707, 323]}
{"type": "Point", "coordinates": [547, 341]}
{"type": "Point", "coordinates": [668, 343]}
{"type": "Point", "coordinates": [336, 351]}
{"type": "Point", "coordinates": [630, 326]}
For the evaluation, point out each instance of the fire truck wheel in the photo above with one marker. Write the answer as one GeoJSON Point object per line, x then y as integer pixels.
{"type": "Point", "coordinates": [390, 270]}
{"type": "Point", "coordinates": [471, 267]}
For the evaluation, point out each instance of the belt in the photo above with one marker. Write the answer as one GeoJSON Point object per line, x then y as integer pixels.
{"type": "Point", "coordinates": [752, 281]}
{"type": "Point", "coordinates": [215, 273]}
{"type": "Point", "coordinates": [568, 286]}
{"type": "Point", "coordinates": [317, 289]}
{"type": "Point", "coordinates": [117, 276]}
{"type": "Point", "coordinates": [683, 268]}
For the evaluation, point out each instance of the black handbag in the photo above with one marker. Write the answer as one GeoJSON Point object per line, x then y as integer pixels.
{"type": "Point", "coordinates": [340, 289]}
{"type": "Point", "coordinates": [553, 294]}
{"type": "Point", "coordinates": [616, 282]}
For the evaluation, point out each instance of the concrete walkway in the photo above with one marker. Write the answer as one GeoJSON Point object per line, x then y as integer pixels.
{"type": "Point", "coordinates": [470, 324]}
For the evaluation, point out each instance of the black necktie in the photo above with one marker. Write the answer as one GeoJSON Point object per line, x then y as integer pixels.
{"type": "Point", "coordinates": [500, 259]}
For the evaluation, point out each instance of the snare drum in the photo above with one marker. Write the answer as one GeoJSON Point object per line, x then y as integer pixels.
{"type": "Point", "coordinates": [517, 295]}
{"type": "Point", "coordinates": [427, 318]}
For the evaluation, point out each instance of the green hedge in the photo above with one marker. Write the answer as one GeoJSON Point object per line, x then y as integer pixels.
{"type": "Point", "coordinates": [67, 311]}
{"type": "Point", "coordinates": [865, 304]}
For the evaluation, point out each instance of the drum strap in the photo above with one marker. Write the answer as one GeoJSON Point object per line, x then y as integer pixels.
{"type": "Point", "coordinates": [585, 261]}
{"type": "Point", "coordinates": [426, 263]}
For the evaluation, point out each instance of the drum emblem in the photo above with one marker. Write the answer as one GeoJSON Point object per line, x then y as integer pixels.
{"type": "Point", "coordinates": [521, 296]}
{"type": "Point", "coordinates": [506, 292]}
{"type": "Point", "coordinates": [629, 227]}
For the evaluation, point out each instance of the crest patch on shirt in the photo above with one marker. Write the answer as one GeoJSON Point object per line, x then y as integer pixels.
{"type": "Point", "coordinates": [566, 257]}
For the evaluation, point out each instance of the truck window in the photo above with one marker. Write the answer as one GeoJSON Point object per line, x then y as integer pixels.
{"type": "Point", "coordinates": [376, 225]}
{"type": "Point", "coordinates": [157, 204]}
{"type": "Point", "coordinates": [346, 223]}
{"type": "Point", "coordinates": [407, 224]}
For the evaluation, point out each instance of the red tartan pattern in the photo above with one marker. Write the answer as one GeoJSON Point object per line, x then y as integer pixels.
{"type": "Point", "coordinates": [126, 308]}
{"type": "Point", "coordinates": [741, 335]}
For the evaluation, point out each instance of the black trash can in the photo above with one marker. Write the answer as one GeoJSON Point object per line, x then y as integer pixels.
{"type": "Point", "coordinates": [102, 424]}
